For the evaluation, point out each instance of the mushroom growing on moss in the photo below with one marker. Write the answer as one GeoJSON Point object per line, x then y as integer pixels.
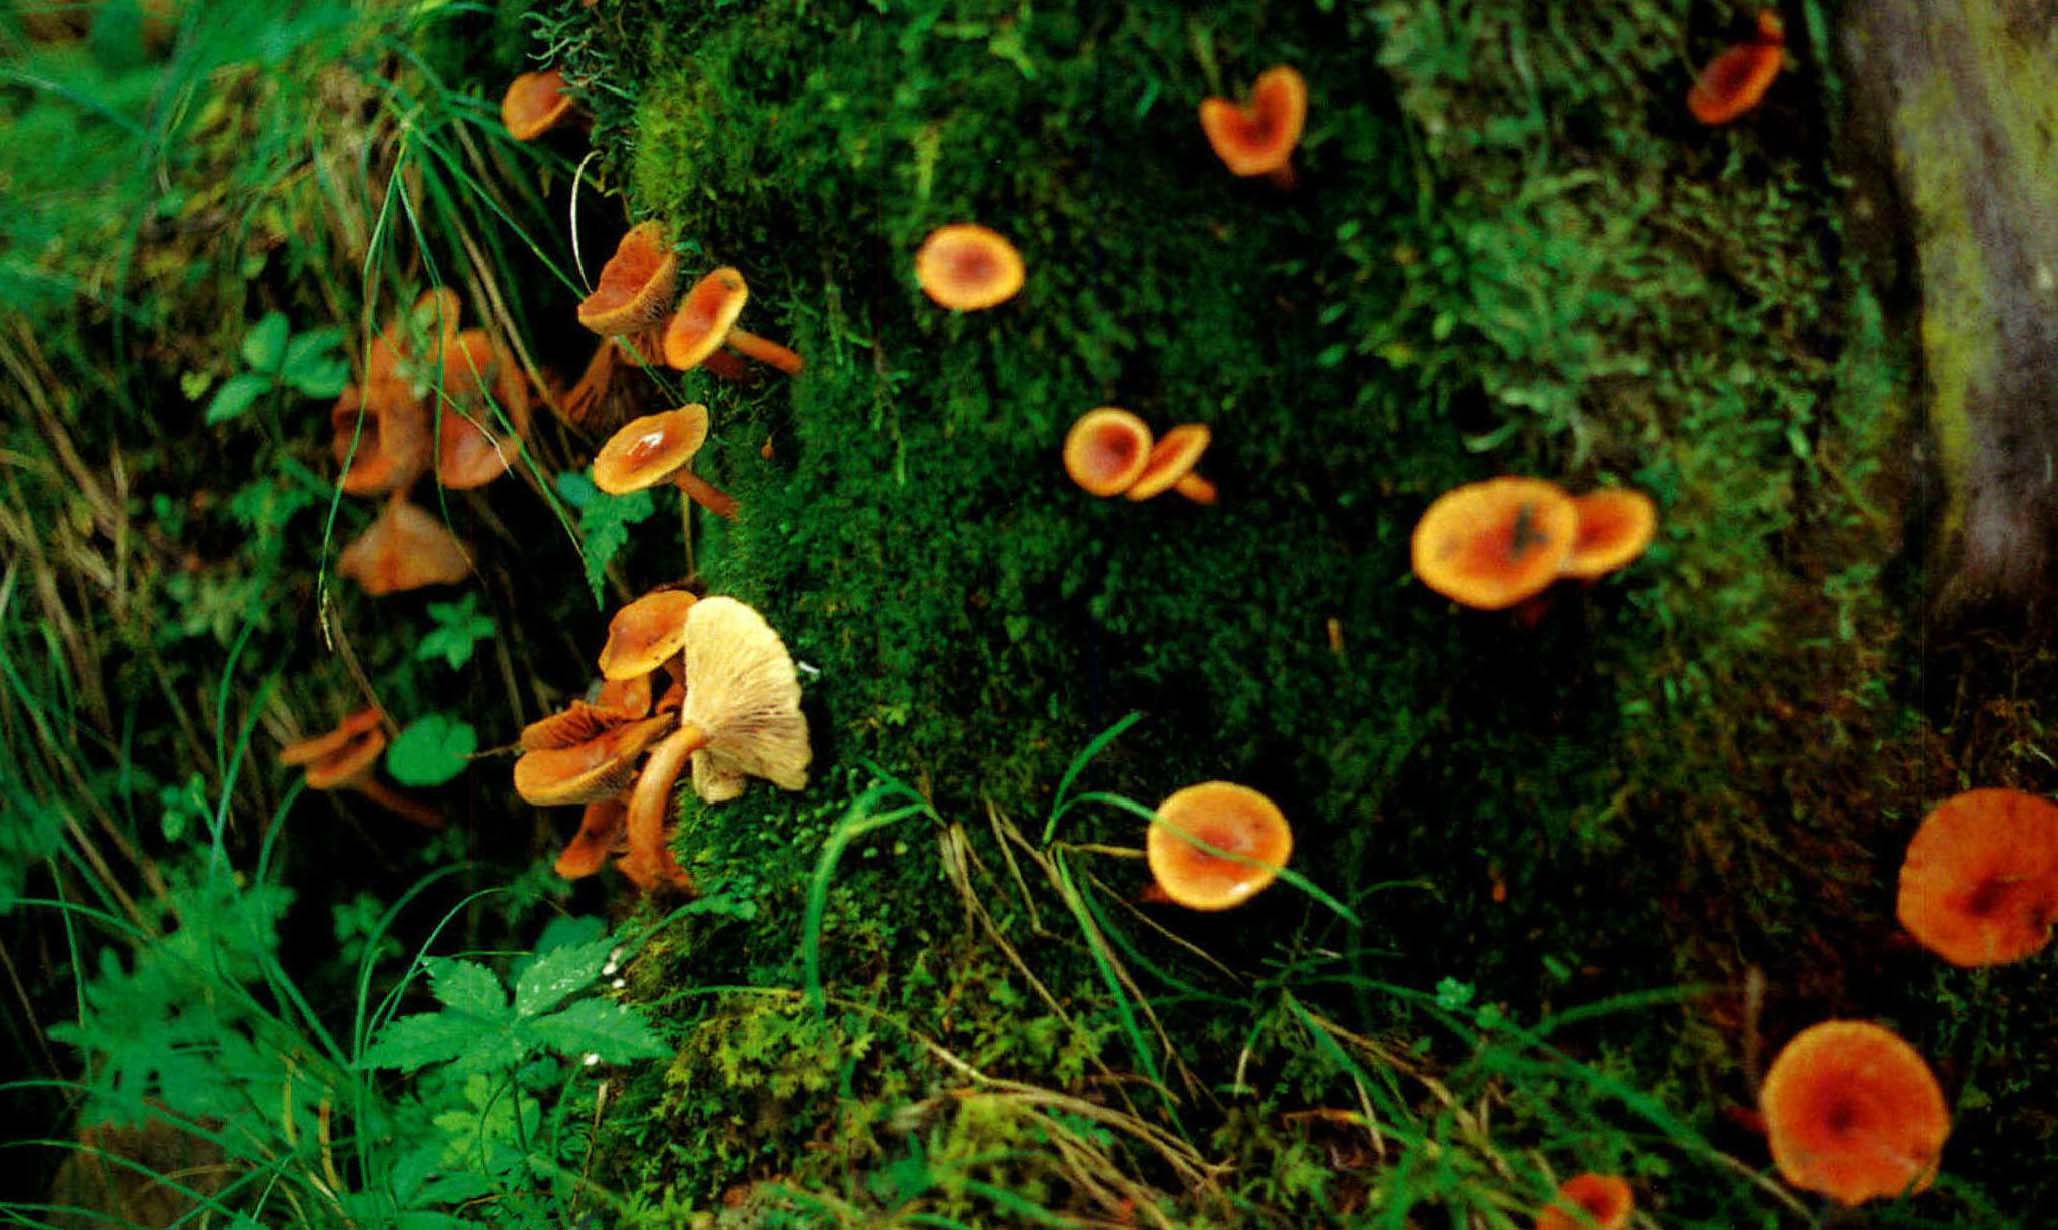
{"type": "Point", "coordinates": [534, 104]}
{"type": "Point", "coordinates": [1589, 1202]}
{"type": "Point", "coordinates": [1979, 885]}
{"type": "Point", "coordinates": [1259, 138]}
{"type": "Point", "coordinates": [1735, 82]}
{"type": "Point", "coordinates": [1490, 545]}
{"type": "Point", "coordinates": [1853, 1112]}
{"type": "Point", "coordinates": [1236, 820]}
{"type": "Point", "coordinates": [1615, 528]}
{"type": "Point", "coordinates": [646, 634]}
{"type": "Point", "coordinates": [706, 321]}
{"type": "Point", "coordinates": [1106, 450]}
{"type": "Point", "coordinates": [601, 829]}
{"type": "Point", "coordinates": [405, 548]}
{"type": "Point", "coordinates": [967, 267]}
{"type": "Point", "coordinates": [636, 285]}
{"type": "Point", "coordinates": [553, 774]}
{"type": "Point", "coordinates": [346, 758]}
{"type": "Point", "coordinates": [1170, 466]}
{"type": "Point", "coordinates": [660, 448]}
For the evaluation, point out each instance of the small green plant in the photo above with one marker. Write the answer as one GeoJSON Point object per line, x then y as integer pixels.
{"type": "Point", "coordinates": [460, 626]}
{"type": "Point", "coordinates": [432, 749]}
{"type": "Point", "coordinates": [604, 522]}
{"type": "Point", "coordinates": [275, 357]}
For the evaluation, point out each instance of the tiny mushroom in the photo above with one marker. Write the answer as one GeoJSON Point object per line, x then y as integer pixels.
{"type": "Point", "coordinates": [1106, 450]}
{"type": "Point", "coordinates": [1236, 820]}
{"type": "Point", "coordinates": [968, 267]}
{"type": "Point", "coordinates": [1589, 1202]}
{"type": "Point", "coordinates": [1853, 1112]}
{"type": "Point", "coordinates": [405, 548]}
{"type": "Point", "coordinates": [534, 103]}
{"type": "Point", "coordinates": [480, 379]}
{"type": "Point", "coordinates": [706, 321]}
{"type": "Point", "coordinates": [659, 448]}
{"type": "Point", "coordinates": [636, 284]}
{"type": "Point", "coordinates": [1170, 466]}
{"type": "Point", "coordinates": [345, 758]}
{"type": "Point", "coordinates": [1493, 544]}
{"type": "Point", "coordinates": [646, 634]}
{"type": "Point", "coordinates": [741, 720]}
{"type": "Point", "coordinates": [1259, 138]}
{"type": "Point", "coordinates": [1735, 82]}
{"type": "Point", "coordinates": [1615, 527]}
{"type": "Point", "coordinates": [1979, 885]}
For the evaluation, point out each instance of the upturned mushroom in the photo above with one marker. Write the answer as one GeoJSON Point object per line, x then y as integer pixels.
{"type": "Point", "coordinates": [1979, 884]}
{"type": "Point", "coordinates": [1735, 82]}
{"type": "Point", "coordinates": [347, 757]}
{"type": "Point", "coordinates": [1170, 466]}
{"type": "Point", "coordinates": [660, 448]}
{"type": "Point", "coordinates": [1250, 838]}
{"type": "Point", "coordinates": [646, 634]}
{"type": "Point", "coordinates": [636, 285]}
{"type": "Point", "coordinates": [1107, 450]}
{"type": "Point", "coordinates": [551, 773]}
{"type": "Point", "coordinates": [1258, 138]}
{"type": "Point", "coordinates": [706, 321]}
{"type": "Point", "coordinates": [1493, 544]}
{"type": "Point", "coordinates": [1615, 528]}
{"type": "Point", "coordinates": [405, 548]}
{"type": "Point", "coordinates": [534, 104]}
{"type": "Point", "coordinates": [381, 437]}
{"type": "Point", "coordinates": [741, 720]}
{"type": "Point", "coordinates": [968, 268]}
{"type": "Point", "coordinates": [1853, 1112]}
{"type": "Point", "coordinates": [1589, 1202]}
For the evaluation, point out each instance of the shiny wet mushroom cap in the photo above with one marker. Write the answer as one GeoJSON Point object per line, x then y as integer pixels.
{"type": "Point", "coordinates": [534, 104]}
{"type": "Point", "coordinates": [650, 450]}
{"type": "Point", "coordinates": [1170, 466]}
{"type": "Point", "coordinates": [705, 321]}
{"type": "Point", "coordinates": [1736, 81]}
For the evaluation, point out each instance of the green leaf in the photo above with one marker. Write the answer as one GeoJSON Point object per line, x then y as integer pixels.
{"type": "Point", "coordinates": [431, 751]}
{"type": "Point", "coordinates": [604, 522]}
{"type": "Point", "coordinates": [558, 973]}
{"type": "Point", "coordinates": [264, 347]}
{"type": "Point", "coordinates": [615, 1032]}
{"type": "Point", "coordinates": [467, 986]}
{"type": "Point", "coordinates": [314, 362]}
{"type": "Point", "coordinates": [235, 397]}
{"type": "Point", "coordinates": [459, 626]}
{"type": "Point", "coordinates": [422, 1039]}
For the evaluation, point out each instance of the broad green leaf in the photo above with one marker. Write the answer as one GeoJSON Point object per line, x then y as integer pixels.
{"type": "Point", "coordinates": [431, 751]}
{"type": "Point", "coordinates": [459, 626]}
{"type": "Point", "coordinates": [264, 347]}
{"type": "Point", "coordinates": [558, 973]}
{"type": "Point", "coordinates": [235, 397]}
{"type": "Point", "coordinates": [314, 362]}
{"type": "Point", "coordinates": [422, 1039]}
{"type": "Point", "coordinates": [615, 1032]}
{"type": "Point", "coordinates": [467, 986]}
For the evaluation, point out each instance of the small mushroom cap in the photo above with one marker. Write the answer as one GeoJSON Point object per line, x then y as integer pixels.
{"type": "Point", "coordinates": [1171, 459]}
{"type": "Point", "coordinates": [645, 634]}
{"type": "Point", "coordinates": [1615, 527]}
{"type": "Point", "coordinates": [1259, 138]}
{"type": "Point", "coordinates": [1735, 82]}
{"type": "Point", "coordinates": [1589, 1202]}
{"type": "Point", "coordinates": [629, 697]}
{"type": "Point", "coordinates": [1853, 1112]}
{"type": "Point", "coordinates": [1229, 817]}
{"type": "Point", "coordinates": [636, 284]}
{"type": "Point", "coordinates": [1979, 885]}
{"type": "Point", "coordinates": [578, 722]}
{"type": "Point", "coordinates": [328, 743]}
{"type": "Point", "coordinates": [481, 384]}
{"type": "Point", "coordinates": [406, 548]}
{"type": "Point", "coordinates": [968, 267]}
{"type": "Point", "coordinates": [744, 694]}
{"type": "Point", "coordinates": [1107, 450]}
{"type": "Point", "coordinates": [704, 318]}
{"type": "Point", "coordinates": [600, 833]}
{"type": "Point", "coordinates": [596, 769]}
{"type": "Point", "coordinates": [1492, 544]}
{"type": "Point", "coordinates": [534, 103]}
{"type": "Point", "coordinates": [350, 763]}
{"type": "Point", "coordinates": [646, 451]}
{"type": "Point", "coordinates": [389, 449]}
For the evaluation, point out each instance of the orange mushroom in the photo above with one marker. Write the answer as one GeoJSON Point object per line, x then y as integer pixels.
{"type": "Point", "coordinates": [595, 768]}
{"type": "Point", "coordinates": [1490, 545]}
{"type": "Point", "coordinates": [479, 378]}
{"type": "Point", "coordinates": [1615, 527]}
{"type": "Point", "coordinates": [1853, 1112]}
{"type": "Point", "coordinates": [1589, 1202]}
{"type": "Point", "coordinates": [1170, 466]}
{"type": "Point", "coordinates": [1259, 138]}
{"type": "Point", "coordinates": [1237, 821]}
{"type": "Point", "coordinates": [405, 548]}
{"type": "Point", "coordinates": [659, 448]}
{"type": "Point", "coordinates": [646, 634]}
{"type": "Point", "coordinates": [381, 438]}
{"type": "Point", "coordinates": [602, 827]}
{"type": "Point", "coordinates": [1735, 82]}
{"type": "Point", "coordinates": [1107, 450]}
{"type": "Point", "coordinates": [636, 284]}
{"type": "Point", "coordinates": [1979, 885]}
{"type": "Point", "coordinates": [345, 759]}
{"type": "Point", "coordinates": [534, 103]}
{"type": "Point", "coordinates": [706, 321]}
{"type": "Point", "coordinates": [968, 267]}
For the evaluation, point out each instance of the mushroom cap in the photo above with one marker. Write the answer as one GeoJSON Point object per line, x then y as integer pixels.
{"type": "Point", "coordinates": [1853, 1112]}
{"type": "Point", "coordinates": [534, 103]}
{"type": "Point", "coordinates": [1229, 817]}
{"type": "Point", "coordinates": [405, 548]}
{"type": "Point", "coordinates": [1615, 527]}
{"type": "Point", "coordinates": [968, 267]}
{"type": "Point", "coordinates": [329, 742]}
{"type": "Point", "coordinates": [479, 378]}
{"type": "Point", "coordinates": [1589, 1202]}
{"type": "Point", "coordinates": [1979, 885]}
{"type": "Point", "coordinates": [601, 827]}
{"type": "Point", "coordinates": [391, 447]}
{"type": "Point", "coordinates": [629, 697]}
{"type": "Point", "coordinates": [1492, 544]}
{"type": "Point", "coordinates": [596, 769]}
{"type": "Point", "coordinates": [1107, 450]}
{"type": "Point", "coordinates": [636, 284]}
{"type": "Point", "coordinates": [349, 763]}
{"type": "Point", "coordinates": [646, 451]}
{"type": "Point", "coordinates": [578, 722]}
{"type": "Point", "coordinates": [1735, 82]}
{"type": "Point", "coordinates": [645, 634]}
{"type": "Point", "coordinates": [1171, 459]}
{"type": "Point", "coordinates": [743, 693]}
{"type": "Point", "coordinates": [704, 317]}
{"type": "Point", "coordinates": [1259, 138]}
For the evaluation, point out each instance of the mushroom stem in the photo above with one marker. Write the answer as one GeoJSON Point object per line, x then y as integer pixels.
{"type": "Point", "coordinates": [1283, 178]}
{"type": "Point", "coordinates": [726, 366]}
{"type": "Point", "coordinates": [1196, 488]}
{"type": "Point", "coordinates": [410, 809]}
{"type": "Point", "coordinates": [706, 494]}
{"type": "Point", "coordinates": [578, 406]}
{"type": "Point", "coordinates": [765, 351]}
{"type": "Point", "coordinates": [650, 862]}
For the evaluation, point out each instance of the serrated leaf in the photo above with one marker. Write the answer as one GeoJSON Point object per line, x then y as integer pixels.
{"type": "Point", "coordinates": [264, 347]}
{"type": "Point", "coordinates": [615, 1032]}
{"type": "Point", "coordinates": [314, 363]}
{"type": "Point", "coordinates": [557, 974]}
{"type": "Point", "coordinates": [419, 1040]}
{"type": "Point", "coordinates": [467, 986]}
{"type": "Point", "coordinates": [235, 397]}
{"type": "Point", "coordinates": [432, 750]}
{"type": "Point", "coordinates": [604, 522]}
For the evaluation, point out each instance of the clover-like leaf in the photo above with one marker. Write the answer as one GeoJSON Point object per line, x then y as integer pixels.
{"type": "Point", "coordinates": [432, 750]}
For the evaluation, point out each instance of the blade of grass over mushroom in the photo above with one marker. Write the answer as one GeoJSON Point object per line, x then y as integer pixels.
{"type": "Point", "coordinates": [1120, 988]}
{"type": "Point", "coordinates": [1061, 801]}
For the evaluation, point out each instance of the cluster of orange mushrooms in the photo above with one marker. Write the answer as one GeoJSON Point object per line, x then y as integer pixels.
{"type": "Point", "coordinates": [1501, 543]}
